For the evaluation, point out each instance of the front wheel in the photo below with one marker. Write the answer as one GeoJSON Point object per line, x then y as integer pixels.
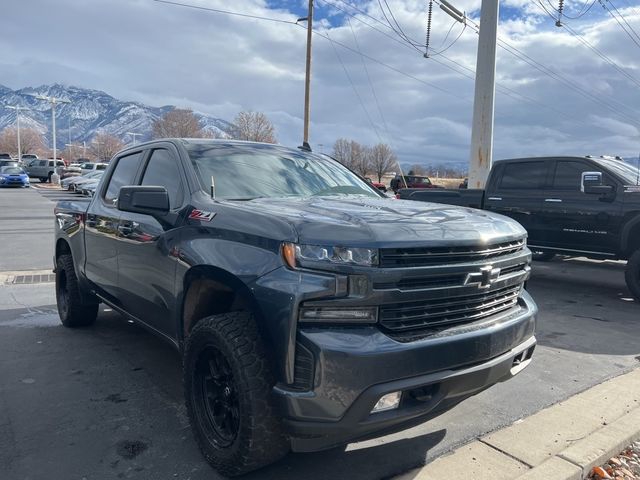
{"type": "Point", "coordinates": [73, 311]}
{"type": "Point", "coordinates": [227, 387]}
{"type": "Point", "coordinates": [632, 275]}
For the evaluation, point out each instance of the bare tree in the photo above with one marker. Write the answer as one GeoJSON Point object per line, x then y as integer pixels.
{"type": "Point", "coordinates": [180, 123]}
{"type": "Point", "coordinates": [253, 126]}
{"type": "Point", "coordinates": [104, 146]}
{"type": "Point", "coordinates": [352, 155]}
{"type": "Point", "coordinates": [30, 140]}
{"type": "Point", "coordinates": [381, 159]}
{"type": "Point", "coordinates": [416, 169]}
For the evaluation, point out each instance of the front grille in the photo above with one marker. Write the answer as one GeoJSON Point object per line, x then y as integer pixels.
{"type": "Point", "coordinates": [447, 310]}
{"type": "Point", "coordinates": [436, 281]}
{"type": "Point", "coordinates": [421, 256]}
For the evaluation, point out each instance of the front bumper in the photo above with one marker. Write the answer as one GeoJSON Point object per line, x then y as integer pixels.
{"type": "Point", "coordinates": [356, 366]}
{"type": "Point", "coordinates": [423, 397]}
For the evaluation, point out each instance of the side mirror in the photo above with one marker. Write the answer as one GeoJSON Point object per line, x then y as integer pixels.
{"type": "Point", "coordinates": [152, 201]}
{"type": "Point", "coordinates": [591, 183]}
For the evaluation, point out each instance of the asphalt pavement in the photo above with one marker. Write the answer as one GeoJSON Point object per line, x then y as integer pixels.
{"type": "Point", "coordinates": [106, 401]}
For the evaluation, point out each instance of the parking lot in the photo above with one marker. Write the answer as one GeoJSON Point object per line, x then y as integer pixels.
{"type": "Point", "coordinates": [106, 401]}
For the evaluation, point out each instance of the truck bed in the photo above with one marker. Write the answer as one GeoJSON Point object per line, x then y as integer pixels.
{"type": "Point", "coordinates": [463, 197]}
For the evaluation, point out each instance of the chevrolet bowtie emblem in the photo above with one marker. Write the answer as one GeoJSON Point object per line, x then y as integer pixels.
{"type": "Point", "coordinates": [486, 277]}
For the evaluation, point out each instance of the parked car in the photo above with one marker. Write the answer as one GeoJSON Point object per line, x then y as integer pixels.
{"type": "Point", "coordinates": [43, 169]}
{"type": "Point", "coordinates": [89, 187]}
{"type": "Point", "coordinates": [303, 320]}
{"type": "Point", "coordinates": [411, 181]}
{"type": "Point", "coordinates": [72, 183]}
{"type": "Point", "coordinates": [380, 186]}
{"type": "Point", "coordinates": [70, 171]}
{"type": "Point", "coordinates": [9, 163]}
{"type": "Point", "coordinates": [587, 206]}
{"type": "Point", "coordinates": [13, 177]}
{"type": "Point", "coordinates": [5, 156]}
{"type": "Point", "coordinates": [91, 166]}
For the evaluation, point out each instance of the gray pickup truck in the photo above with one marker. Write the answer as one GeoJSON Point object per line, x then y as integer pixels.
{"type": "Point", "coordinates": [43, 169]}
{"type": "Point", "coordinates": [303, 320]}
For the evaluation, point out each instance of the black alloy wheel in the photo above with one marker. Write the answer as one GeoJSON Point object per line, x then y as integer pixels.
{"type": "Point", "coordinates": [218, 404]}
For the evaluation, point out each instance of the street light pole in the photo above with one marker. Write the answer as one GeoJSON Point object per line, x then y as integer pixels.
{"type": "Point", "coordinates": [53, 101]}
{"type": "Point", "coordinates": [134, 135]}
{"type": "Point", "coordinates": [17, 109]}
{"type": "Point", "coordinates": [307, 77]}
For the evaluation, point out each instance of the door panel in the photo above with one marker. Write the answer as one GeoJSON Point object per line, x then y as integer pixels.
{"type": "Point", "coordinates": [576, 220]}
{"type": "Point", "coordinates": [146, 249]}
{"type": "Point", "coordinates": [517, 194]}
{"type": "Point", "coordinates": [102, 228]}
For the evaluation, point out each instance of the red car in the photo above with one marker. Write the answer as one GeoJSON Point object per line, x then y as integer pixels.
{"type": "Point", "coordinates": [411, 181]}
{"type": "Point", "coordinates": [380, 186]}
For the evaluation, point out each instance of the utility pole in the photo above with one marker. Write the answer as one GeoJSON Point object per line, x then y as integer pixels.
{"type": "Point", "coordinates": [134, 135]}
{"type": "Point", "coordinates": [53, 101]}
{"type": "Point", "coordinates": [484, 101]}
{"type": "Point", "coordinates": [17, 109]}
{"type": "Point", "coordinates": [307, 77]}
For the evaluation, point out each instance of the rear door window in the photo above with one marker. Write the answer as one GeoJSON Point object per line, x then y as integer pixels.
{"type": "Point", "coordinates": [523, 175]}
{"type": "Point", "coordinates": [123, 174]}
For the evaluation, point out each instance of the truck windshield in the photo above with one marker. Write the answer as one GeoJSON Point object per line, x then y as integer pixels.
{"type": "Point", "coordinates": [245, 172]}
{"type": "Point", "coordinates": [628, 173]}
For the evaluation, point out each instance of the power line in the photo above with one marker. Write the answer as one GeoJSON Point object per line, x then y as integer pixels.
{"type": "Point", "coordinates": [503, 89]}
{"type": "Point", "coordinates": [373, 90]}
{"type": "Point", "coordinates": [624, 20]}
{"type": "Point", "coordinates": [586, 43]}
{"type": "Point", "coordinates": [558, 77]}
{"type": "Point", "coordinates": [226, 12]}
{"type": "Point", "coordinates": [346, 72]}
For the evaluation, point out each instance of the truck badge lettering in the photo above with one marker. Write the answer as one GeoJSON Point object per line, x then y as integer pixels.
{"type": "Point", "coordinates": [201, 215]}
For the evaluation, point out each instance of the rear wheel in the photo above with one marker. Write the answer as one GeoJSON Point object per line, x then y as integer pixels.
{"type": "Point", "coordinates": [227, 386]}
{"type": "Point", "coordinates": [73, 311]}
{"type": "Point", "coordinates": [632, 274]}
{"type": "Point", "coordinates": [543, 255]}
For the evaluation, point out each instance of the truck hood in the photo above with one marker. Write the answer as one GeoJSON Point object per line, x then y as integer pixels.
{"type": "Point", "coordinates": [362, 221]}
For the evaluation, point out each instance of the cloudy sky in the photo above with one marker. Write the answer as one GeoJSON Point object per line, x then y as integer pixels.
{"type": "Point", "coordinates": [555, 96]}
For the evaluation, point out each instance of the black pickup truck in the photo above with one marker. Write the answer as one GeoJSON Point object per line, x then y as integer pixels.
{"type": "Point", "coordinates": [587, 206]}
{"type": "Point", "coordinates": [303, 320]}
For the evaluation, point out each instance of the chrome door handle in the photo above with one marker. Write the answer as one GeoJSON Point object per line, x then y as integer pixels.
{"type": "Point", "coordinates": [553, 200]}
{"type": "Point", "coordinates": [498, 199]}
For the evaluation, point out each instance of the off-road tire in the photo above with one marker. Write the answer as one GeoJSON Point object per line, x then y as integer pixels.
{"type": "Point", "coordinates": [42, 179]}
{"type": "Point", "coordinates": [543, 256]}
{"type": "Point", "coordinates": [73, 311]}
{"type": "Point", "coordinates": [632, 274]}
{"type": "Point", "coordinates": [259, 439]}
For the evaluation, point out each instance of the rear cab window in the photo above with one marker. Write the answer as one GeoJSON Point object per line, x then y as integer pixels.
{"type": "Point", "coordinates": [523, 175]}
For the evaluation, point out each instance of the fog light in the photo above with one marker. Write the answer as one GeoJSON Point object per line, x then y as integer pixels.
{"type": "Point", "coordinates": [387, 402]}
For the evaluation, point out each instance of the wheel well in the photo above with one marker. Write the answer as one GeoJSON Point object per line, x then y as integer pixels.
{"type": "Point", "coordinates": [62, 248]}
{"type": "Point", "coordinates": [211, 291]}
{"type": "Point", "coordinates": [633, 240]}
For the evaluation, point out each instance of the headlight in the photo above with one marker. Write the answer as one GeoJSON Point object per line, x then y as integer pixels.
{"type": "Point", "coordinates": [303, 255]}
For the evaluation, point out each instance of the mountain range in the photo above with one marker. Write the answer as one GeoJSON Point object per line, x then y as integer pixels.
{"type": "Point", "coordinates": [88, 113]}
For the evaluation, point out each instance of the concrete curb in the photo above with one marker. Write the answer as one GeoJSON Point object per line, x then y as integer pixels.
{"type": "Point", "coordinates": [8, 277]}
{"type": "Point", "coordinates": [563, 442]}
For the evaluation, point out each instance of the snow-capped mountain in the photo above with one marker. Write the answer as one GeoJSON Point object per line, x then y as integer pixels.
{"type": "Point", "coordinates": [88, 113]}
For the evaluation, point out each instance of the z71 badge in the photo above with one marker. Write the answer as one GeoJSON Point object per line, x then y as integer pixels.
{"type": "Point", "coordinates": [201, 215]}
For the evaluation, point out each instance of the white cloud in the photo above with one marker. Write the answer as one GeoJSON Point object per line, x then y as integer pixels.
{"type": "Point", "coordinates": [220, 64]}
